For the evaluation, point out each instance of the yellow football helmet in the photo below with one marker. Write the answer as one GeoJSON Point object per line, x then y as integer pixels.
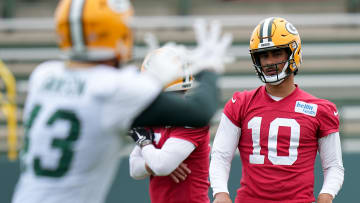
{"type": "Point", "coordinates": [94, 30]}
{"type": "Point", "coordinates": [276, 33]}
{"type": "Point", "coordinates": [176, 58]}
{"type": "Point", "coordinates": [184, 83]}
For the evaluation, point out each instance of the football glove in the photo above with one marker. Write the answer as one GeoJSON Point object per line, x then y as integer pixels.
{"type": "Point", "coordinates": [142, 136]}
{"type": "Point", "coordinates": [211, 50]}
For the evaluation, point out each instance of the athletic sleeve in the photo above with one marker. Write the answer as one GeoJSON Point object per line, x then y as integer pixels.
{"type": "Point", "coordinates": [137, 164]}
{"type": "Point", "coordinates": [165, 160]}
{"type": "Point", "coordinates": [223, 150]}
{"type": "Point", "coordinates": [196, 109]}
{"type": "Point", "coordinates": [332, 164]}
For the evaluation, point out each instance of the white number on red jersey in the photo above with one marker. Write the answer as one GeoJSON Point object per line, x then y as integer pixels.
{"type": "Point", "coordinates": [256, 158]}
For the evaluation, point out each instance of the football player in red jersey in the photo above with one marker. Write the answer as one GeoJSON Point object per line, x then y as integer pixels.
{"type": "Point", "coordinates": [175, 158]}
{"type": "Point", "coordinates": [278, 129]}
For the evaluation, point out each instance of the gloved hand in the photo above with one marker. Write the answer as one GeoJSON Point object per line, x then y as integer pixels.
{"type": "Point", "coordinates": [173, 61]}
{"type": "Point", "coordinates": [211, 50]}
{"type": "Point", "coordinates": [142, 136]}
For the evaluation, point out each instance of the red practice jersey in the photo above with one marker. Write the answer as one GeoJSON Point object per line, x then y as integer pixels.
{"type": "Point", "coordinates": [278, 143]}
{"type": "Point", "coordinates": [195, 188]}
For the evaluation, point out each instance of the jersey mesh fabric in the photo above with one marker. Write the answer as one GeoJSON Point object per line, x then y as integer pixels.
{"type": "Point", "coordinates": [278, 143]}
{"type": "Point", "coordinates": [195, 188]}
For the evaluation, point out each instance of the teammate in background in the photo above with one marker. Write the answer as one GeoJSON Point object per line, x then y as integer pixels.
{"type": "Point", "coordinates": [175, 158]}
{"type": "Point", "coordinates": [278, 129]}
{"type": "Point", "coordinates": [78, 110]}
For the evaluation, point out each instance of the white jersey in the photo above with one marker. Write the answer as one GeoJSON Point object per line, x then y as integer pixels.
{"type": "Point", "coordinates": [75, 120]}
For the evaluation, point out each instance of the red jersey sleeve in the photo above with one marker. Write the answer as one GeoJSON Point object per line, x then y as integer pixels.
{"type": "Point", "coordinates": [328, 118]}
{"type": "Point", "coordinates": [233, 108]}
{"type": "Point", "coordinates": [193, 135]}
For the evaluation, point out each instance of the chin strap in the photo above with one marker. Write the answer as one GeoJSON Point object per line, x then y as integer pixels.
{"type": "Point", "coordinates": [278, 81]}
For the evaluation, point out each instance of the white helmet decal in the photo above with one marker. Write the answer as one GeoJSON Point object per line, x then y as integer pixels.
{"type": "Point", "coordinates": [291, 29]}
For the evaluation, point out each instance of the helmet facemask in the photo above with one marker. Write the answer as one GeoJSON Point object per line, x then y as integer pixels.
{"type": "Point", "coordinates": [278, 78]}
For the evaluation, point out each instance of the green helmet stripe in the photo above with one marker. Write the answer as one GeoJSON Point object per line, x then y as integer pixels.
{"type": "Point", "coordinates": [270, 29]}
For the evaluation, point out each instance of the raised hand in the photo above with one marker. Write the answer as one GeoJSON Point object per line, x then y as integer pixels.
{"type": "Point", "coordinates": [211, 50]}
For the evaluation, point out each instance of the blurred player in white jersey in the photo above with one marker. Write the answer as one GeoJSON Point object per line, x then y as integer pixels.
{"type": "Point", "coordinates": [278, 129]}
{"type": "Point", "coordinates": [78, 110]}
{"type": "Point", "coordinates": [175, 158]}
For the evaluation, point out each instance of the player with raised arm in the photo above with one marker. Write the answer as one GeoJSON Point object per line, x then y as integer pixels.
{"type": "Point", "coordinates": [175, 158]}
{"type": "Point", "coordinates": [278, 129]}
{"type": "Point", "coordinates": [78, 110]}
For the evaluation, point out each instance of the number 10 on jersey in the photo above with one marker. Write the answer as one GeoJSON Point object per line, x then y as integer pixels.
{"type": "Point", "coordinates": [256, 158]}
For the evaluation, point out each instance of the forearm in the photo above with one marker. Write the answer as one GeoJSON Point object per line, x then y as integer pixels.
{"type": "Point", "coordinates": [172, 109]}
{"type": "Point", "coordinates": [165, 160]}
{"type": "Point", "coordinates": [223, 150]}
{"type": "Point", "coordinates": [333, 180]}
{"type": "Point", "coordinates": [331, 161]}
{"type": "Point", "coordinates": [137, 164]}
{"type": "Point", "coordinates": [219, 172]}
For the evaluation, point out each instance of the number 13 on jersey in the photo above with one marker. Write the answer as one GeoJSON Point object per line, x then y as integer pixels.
{"type": "Point", "coordinates": [63, 144]}
{"type": "Point", "coordinates": [256, 158]}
